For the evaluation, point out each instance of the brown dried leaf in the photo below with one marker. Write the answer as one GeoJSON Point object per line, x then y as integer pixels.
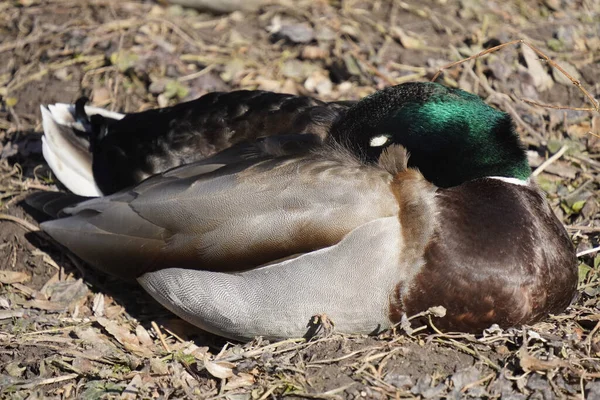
{"type": "Point", "coordinates": [314, 53]}
{"type": "Point", "coordinates": [557, 168]}
{"type": "Point", "coordinates": [131, 392]}
{"type": "Point", "coordinates": [45, 305]}
{"type": "Point", "coordinates": [8, 277]}
{"type": "Point", "coordinates": [98, 305]}
{"type": "Point", "coordinates": [296, 33]}
{"type": "Point", "coordinates": [124, 336]}
{"type": "Point", "coordinates": [9, 314]}
{"type": "Point", "coordinates": [14, 369]}
{"type": "Point", "coordinates": [143, 336]}
{"type": "Point", "coordinates": [541, 78]}
{"type": "Point", "coordinates": [530, 363]}
{"type": "Point", "coordinates": [158, 366]}
{"type": "Point", "coordinates": [407, 41]}
{"type": "Point", "coordinates": [67, 292]}
{"type": "Point", "coordinates": [85, 365]}
{"type": "Point", "coordinates": [289, 87]}
{"type": "Point", "coordinates": [240, 380]}
{"type": "Point", "coordinates": [559, 77]}
{"type": "Point", "coordinates": [318, 82]}
{"type": "Point", "coordinates": [270, 85]}
{"type": "Point", "coordinates": [220, 370]}
{"type": "Point", "coordinates": [24, 289]}
{"type": "Point", "coordinates": [101, 96]}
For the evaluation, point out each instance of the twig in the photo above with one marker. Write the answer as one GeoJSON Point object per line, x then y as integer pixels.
{"type": "Point", "coordinates": [198, 74]}
{"type": "Point", "coordinates": [22, 222]}
{"type": "Point", "coordinates": [588, 251]}
{"type": "Point", "coordinates": [160, 336]}
{"type": "Point", "coordinates": [590, 336]}
{"type": "Point", "coordinates": [464, 348]}
{"type": "Point", "coordinates": [556, 107]}
{"type": "Point", "coordinates": [477, 383]}
{"type": "Point", "coordinates": [48, 381]}
{"type": "Point", "coordinates": [269, 392]}
{"type": "Point", "coordinates": [549, 161]}
{"type": "Point", "coordinates": [586, 229]}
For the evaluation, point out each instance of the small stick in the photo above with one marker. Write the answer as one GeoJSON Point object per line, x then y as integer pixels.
{"type": "Point", "coordinates": [160, 336]}
{"type": "Point", "coordinates": [588, 251]}
{"type": "Point", "coordinates": [48, 381]}
{"type": "Point", "coordinates": [549, 161]}
{"type": "Point", "coordinates": [477, 383]}
{"type": "Point", "coordinates": [478, 55]}
{"type": "Point", "coordinates": [29, 226]}
{"type": "Point", "coordinates": [586, 229]}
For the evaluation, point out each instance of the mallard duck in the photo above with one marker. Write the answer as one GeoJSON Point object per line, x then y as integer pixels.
{"type": "Point", "coordinates": [94, 152]}
{"type": "Point", "coordinates": [257, 239]}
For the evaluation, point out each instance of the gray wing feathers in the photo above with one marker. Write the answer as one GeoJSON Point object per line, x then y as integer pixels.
{"type": "Point", "coordinates": [230, 218]}
{"type": "Point", "coordinates": [278, 300]}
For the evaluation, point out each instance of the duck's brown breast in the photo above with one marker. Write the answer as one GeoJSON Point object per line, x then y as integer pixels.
{"type": "Point", "coordinates": [498, 255]}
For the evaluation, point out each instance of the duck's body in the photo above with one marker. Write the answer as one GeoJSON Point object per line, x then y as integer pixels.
{"type": "Point", "coordinates": [95, 152]}
{"type": "Point", "coordinates": [258, 239]}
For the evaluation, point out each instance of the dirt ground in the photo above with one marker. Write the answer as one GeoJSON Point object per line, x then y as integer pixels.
{"type": "Point", "coordinates": [67, 332]}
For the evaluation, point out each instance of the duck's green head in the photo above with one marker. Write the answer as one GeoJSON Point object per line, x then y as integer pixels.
{"type": "Point", "coordinates": [452, 136]}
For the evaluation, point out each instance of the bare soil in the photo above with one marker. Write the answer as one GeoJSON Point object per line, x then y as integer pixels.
{"type": "Point", "coordinates": [69, 332]}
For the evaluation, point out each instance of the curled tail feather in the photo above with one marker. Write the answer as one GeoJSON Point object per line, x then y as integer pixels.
{"type": "Point", "coordinates": [66, 145]}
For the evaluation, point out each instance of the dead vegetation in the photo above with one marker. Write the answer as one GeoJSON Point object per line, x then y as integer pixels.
{"type": "Point", "coordinates": [67, 332]}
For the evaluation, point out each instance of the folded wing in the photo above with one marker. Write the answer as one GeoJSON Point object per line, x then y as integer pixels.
{"type": "Point", "coordinates": [249, 206]}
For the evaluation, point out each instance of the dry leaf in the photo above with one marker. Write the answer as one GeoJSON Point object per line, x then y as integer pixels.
{"type": "Point", "coordinates": [407, 41]}
{"type": "Point", "coordinates": [295, 33]}
{"type": "Point", "coordinates": [131, 392]}
{"type": "Point", "coordinates": [26, 290]}
{"type": "Point", "coordinates": [96, 343]}
{"type": "Point", "coordinates": [46, 290]}
{"type": "Point", "coordinates": [45, 305]}
{"type": "Point", "coordinates": [101, 96]}
{"type": "Point", "coordinates": [269, 85]}
{"type": "Point", "coordinates": [85, 365]}
{"type": "Point", "coordinates": [4, 303]}
{"type": "Point", "coordinates": [530, 363]}
{"type": "Point", "coordinates": [98, 305]}
{"type": "Point", "coordinates": [318, 82]}
{"type": "Point", "coordinates": [8, 277]}
{"type": "Point", "coordinates": [240, 380]}
{"type": "Point", "coordinates": [220, 370]}
{"type": "Point", "coordinates": [143, 336]}
{"type": "Point", "coordinates": [437, 311]}
{"type": "Point", "coordinates": [541, 78]}
{"type": "Point", "coordinates": [158, 366]}
{"type": "Point", "coordinates": [314, 53]}
{"type": "Point", "coordinates": [9, 314]}
{"type": "Point", "coordinates": [559, 77]}
{"type": "Point", "coordinates": [124, 336]}
{"type": "Point", "coordinates": [67, 292]}
{"type": "Point", "coordinates": [289, 87]}
{"type": "Point", "coordinates": [198, 352]}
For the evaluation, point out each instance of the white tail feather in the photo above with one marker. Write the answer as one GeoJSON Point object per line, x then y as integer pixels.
{"type": "Point", "coordinates": [67, 157]}
{"type": "Point", "coordinates": [70, 161]}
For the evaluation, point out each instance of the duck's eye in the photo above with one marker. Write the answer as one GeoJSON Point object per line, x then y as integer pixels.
{"type": "Point", "coordinates": [379, 140]}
